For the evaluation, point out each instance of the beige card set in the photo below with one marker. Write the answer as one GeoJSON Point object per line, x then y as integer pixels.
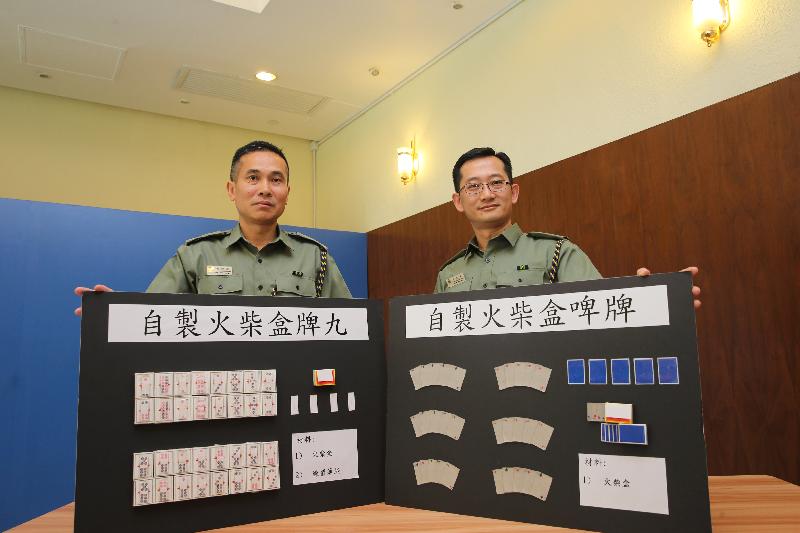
{"type": "Point", "coordinates": [522, 374]}
{"type": "Point", "coordinates": [436, 471]}
{"type": "Point", "coordinates": [438, 374]}
{"type": "Point", "coordinates": [523, 481]}
{"type": "Point", "coordinates": [166, 397]}
{"type": "Point", "coordinates": [165, 476]}
{"type": "Point", "coordinates": [525, 430]}
{"type": "Point", "coordinates": [433, 421]}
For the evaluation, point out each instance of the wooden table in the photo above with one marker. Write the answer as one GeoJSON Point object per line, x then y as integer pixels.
{"type": "Point", "coordinates": [752, 504]}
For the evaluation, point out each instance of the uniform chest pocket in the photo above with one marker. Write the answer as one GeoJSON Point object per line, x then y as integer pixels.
{"type": "Point", "coordinates": [219, 284]}
{"type": "Point", "coordinates": [296, 285]}
{"type": "Point", "coordinates": [520, 278]}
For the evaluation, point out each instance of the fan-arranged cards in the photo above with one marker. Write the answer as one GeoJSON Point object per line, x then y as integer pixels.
{"type": "Point", "coordinates": [525, 430]}
{"type": "Point", "coordinates": [523, 481]}
{"type": "Point", "coordinates": [436, 471]}
{"type": "Point", "coordinates": [433, 421]}
{"type": "Point", "coordinates": [522, 374]}
{"type": "Point", "coordinates": [441, 374]}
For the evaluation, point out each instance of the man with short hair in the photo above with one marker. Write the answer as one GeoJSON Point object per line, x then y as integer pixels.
{"type": "Point", "coordinates": [256, 257]}
{"type": "Point", "coordinates": [501, 254]}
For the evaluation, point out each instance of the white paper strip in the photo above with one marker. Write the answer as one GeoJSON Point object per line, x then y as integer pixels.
{"type": "Point", "coordinates": [631, 307]}
{"type": "Point", "coordinates": [176, 323]}
{"type": "Point", "coordinates": [351, 401]}
{"type": "Point", "coordinates": [312, 404]}
{"type": "Point", "coordinates": [623, 482]}
{"type": "Point", "coordinates": [295, 405]}
{"type": "Point", "coordinates": [324, 456]}
{"type": "Point", "coordinates": [334, 403]}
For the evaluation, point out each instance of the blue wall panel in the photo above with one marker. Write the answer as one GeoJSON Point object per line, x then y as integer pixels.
{"type": "Point", "coordinates": [45, 251]}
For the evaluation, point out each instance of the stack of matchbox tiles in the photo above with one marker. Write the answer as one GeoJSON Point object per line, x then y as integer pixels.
{"type": "Point", "coordinates": [164, 397]}
{"type": "Point", "coordinates": [165, 476]}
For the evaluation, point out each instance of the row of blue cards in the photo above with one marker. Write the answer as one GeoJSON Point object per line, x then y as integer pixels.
{"type": "Point", "coordinates": [624, 433]}
{"type": "Point", "coordinates": [643, 371]}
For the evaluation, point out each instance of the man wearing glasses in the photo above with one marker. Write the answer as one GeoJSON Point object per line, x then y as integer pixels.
{"type": "Point", "coordinates": [501, 254]}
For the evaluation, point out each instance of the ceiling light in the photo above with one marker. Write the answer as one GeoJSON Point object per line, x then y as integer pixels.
{"type": "Point", "coordinates": [265, 76]}
{"type": "Point", "coordinates": [375, 71]}
{"type": "Point", "coordinates": [457, 5]}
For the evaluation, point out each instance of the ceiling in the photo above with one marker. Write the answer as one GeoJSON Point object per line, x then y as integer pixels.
{"type": "Point", "coordinates": [151, 55]}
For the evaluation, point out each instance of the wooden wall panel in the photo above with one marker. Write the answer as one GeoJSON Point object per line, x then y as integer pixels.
{"type": "Point", "coordinates": [718, 188]}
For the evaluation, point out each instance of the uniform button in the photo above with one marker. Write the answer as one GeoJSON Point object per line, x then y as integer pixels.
{"type": "Point", "coordinates": [297, 287]}
{"type": "Point", "coordinates": [520, 280]}
{"type": "Point", "coordinates": [220, 287]}
{"type": "Point", "coordinates": [487, 260]}
{"type": "Point", "coordinates": [259, 260]}
{"type": "Point", "coordinates": [260, 287]}
{"type": "Point", "coordinates": [484, 285]}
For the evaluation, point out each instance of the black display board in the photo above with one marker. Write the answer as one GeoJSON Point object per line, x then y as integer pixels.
{"type": "Point", "coordinates": [107, 437]}
{"type": "Point", "coordinates": [673, 413]}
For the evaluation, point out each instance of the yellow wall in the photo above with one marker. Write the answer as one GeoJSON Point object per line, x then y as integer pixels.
{"type": "Point", "coordinates": [60, 150]}
{"type": "Point", "coordinates": [550, 79]}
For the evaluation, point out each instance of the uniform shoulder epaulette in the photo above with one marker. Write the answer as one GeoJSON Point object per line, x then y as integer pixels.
{"type": "Point", "coordinates": [213, 234]}
{"type": "Point", "coordinates": [302, 237]}
{"type": "Point", "coordinates": [541, 235]}
{"type": "Point", "coordinates": [457, 256]}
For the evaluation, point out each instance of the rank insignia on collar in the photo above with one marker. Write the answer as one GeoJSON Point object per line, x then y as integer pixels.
{"type": "Point", "coordinates": [296, 273]}
{"type": "Point", "coordinates": [522, 267]}
{"type": "Point", "coordinates": [452, 281]}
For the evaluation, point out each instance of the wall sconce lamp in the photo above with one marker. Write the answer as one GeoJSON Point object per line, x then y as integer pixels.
{"type": "Point", "coordinates": [407, 163]}
{"type": "Point", "coordinates": [711, 17]}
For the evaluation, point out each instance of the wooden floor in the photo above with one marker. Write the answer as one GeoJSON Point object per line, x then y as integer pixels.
{"type": "Point", "coordinates": [749, 504]}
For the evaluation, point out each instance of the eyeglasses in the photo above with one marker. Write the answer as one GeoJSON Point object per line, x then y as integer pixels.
{"type": "Point", "coordinates": [476, 187]}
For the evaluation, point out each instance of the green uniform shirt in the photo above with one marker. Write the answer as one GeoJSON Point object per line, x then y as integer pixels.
{"type": "Point", "coordinates": [223, 262]}
{"type": "Point", "coordinates": [513, 259]}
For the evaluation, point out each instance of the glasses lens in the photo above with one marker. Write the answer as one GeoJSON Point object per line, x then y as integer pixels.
{"type": "Point", "coordinates": [497, 185]}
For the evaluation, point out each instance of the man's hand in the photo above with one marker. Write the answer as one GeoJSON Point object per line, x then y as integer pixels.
{"type": "Point", "coordinates": [97, 288]}
{"type": "Point", "coordinates": [643, 272]}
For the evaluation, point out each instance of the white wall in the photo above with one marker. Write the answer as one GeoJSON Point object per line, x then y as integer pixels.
{"type": "Point", "coordinates": [550, 79]}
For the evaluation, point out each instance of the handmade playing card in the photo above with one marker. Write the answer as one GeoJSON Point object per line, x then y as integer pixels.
{"type": "Point", "coordinates": [163, 463]}
{"type": "Point", "coordinates": [144, 412]}
{"type": "Point", "coordinates": [542, 434]}
{"type": "Point", "coordinates": [595, 412]}
{"type": "Point", "coordinates": [251, 380]}
{"type": "Point", "coordinates": [201, 382]}
{"type": "Point", "coordinates": [163, 384]}
{"type": "Point", "coordinates": [235, 405]}
{"type": "Point", "coordinates": [255, 479]}
{"type": "Point", "coordinates": [201, 459]}
{"type": "Point", "coordinates": [252, 404]}
{"type": "Point", "coordinates": [253, 454]}
{"type": "Point", "coordinates": [541, 485]}
{"type": "Point", "coordinates": [236, 456]}
{"type": "Point", "coordinates": [200, 407]}
{"type": "Point", "coordinates": [219, 483]}
{"type": "Point", "coordinates": [200, 485]}
{"type": "Point", "coordinates": [268, 381]}
{"type": "Point", "coordinates": [163, 410]}
{"type": "Point", "coordinates": [219, 382]}
{"type": "Point", "coordinates": [182, 409]}
{"type": "Point", "coordinates": [272, 478]}
{"type": "Point", "coordinates": [269, 451]}
{"type": "Point", "coordinates": [497, 476]}
{"type": "Point", "coordinates": [237, 480]}
{"type": "Point", "coordinates": [219, 457]}
{"type": "Point", "coordinates": [539, 377]}
{"type": "Point", "coordinates": [269, 404]}
{"type": "Point", "coordinates": [235, 382]}
{"type": "Point", "coordinates": [143, 465]}
{"type": "Point", "coordinates": [142, 492]}
{"type": "Point", "coordinates": [164, 489]}
{"type": "Point", "coordinates": [219, 406]}
{"type": "Point", "coordinates": [182, 384]}
{"type": "Point", "coordinates": [182, 486]}
{"type": "Point", "coordinates": [143, 384]}
{"type": "Point", "coordinates": [182, 461]}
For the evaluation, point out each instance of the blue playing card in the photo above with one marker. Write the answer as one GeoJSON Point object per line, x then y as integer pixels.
{"type": "Point", "coordinates": [668, 371]}
{"type": "Point", "coordinates": [621, 371]}
{"type": "Point", "coordinates": [643, 371]}
{"type": "Point", "coordinates": [597, 372]}
{"type": "Point", "coordinates": [632, 434]}
{"type": "Point", "coordinates": [576, 374]}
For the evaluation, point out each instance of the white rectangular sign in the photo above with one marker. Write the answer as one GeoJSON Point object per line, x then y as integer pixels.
{"type": "Point", "coordinates": [623, 482]}
{"type": "Point", "coordinates": [193, 323]}
{"type": "Point", "coordinates": [631, 307]}
{"type": "Point", "coordinates": [324, 456]}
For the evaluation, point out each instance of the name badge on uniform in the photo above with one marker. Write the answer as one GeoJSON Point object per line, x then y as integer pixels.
{"type": "Point", "coordinates": [214, 270]}
{"type": "Point", "coordinates": [452, 281]}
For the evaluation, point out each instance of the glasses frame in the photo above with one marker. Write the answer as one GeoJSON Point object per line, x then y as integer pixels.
{"type": "Point", "coordinates": [500, 184]}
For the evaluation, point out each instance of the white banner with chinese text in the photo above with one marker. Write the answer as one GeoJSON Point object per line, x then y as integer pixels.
{"type": "Point", "coordinates": [180, 323]}
{"type": "Point", "coordinates": [632, 307]}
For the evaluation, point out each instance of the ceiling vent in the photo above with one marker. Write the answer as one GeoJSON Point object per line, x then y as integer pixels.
{"type": "Point", "coordinates": [40, 48]}
{"type": "Point", "coordinates": [249, 92]}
